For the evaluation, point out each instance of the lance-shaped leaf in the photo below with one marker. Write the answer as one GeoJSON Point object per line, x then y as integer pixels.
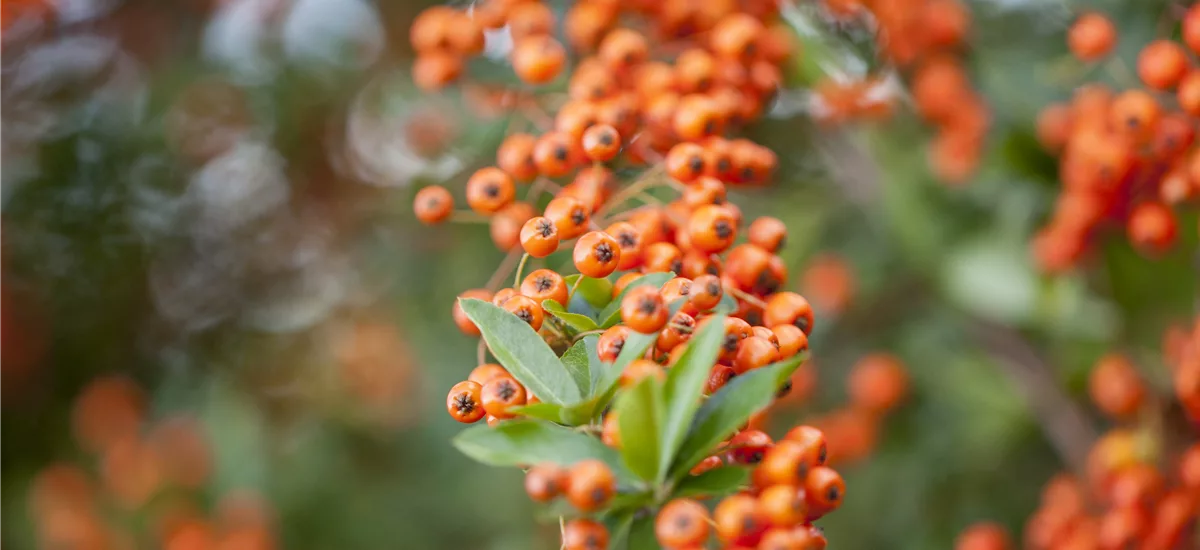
{"type": "Point", "coordinates": [522, 352]}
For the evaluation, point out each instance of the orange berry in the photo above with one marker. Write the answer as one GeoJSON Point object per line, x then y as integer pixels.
{"type": "Point", "coordinates": [463, 322]}
{"type": "Point", "coordinates": [984, 536]}
{"type": "Point", "coordinates": [1152, 227]}
{"type": "Point", "coordinates": [878, 383]}
{"type": "Point", "coordinates": [515, 156]}
{"type": "Point", "coordinates": [545, 481]}
{"type": "Point", "coordinates": [597, 254]}
{"type": "Point", "coordinates": [526, 310]}
{"type": "Point", "coordinates": [501, 394]}
{"type": "Point", "coordinates": [622, 49]}
{"type": "Point", "coordinates": [642, 310]}
{"type": "Point", "coordinates": [682, 522]}
{"type": "Point", "coordinates": [485, 372]}
{"type": "Point", "coordinates": [1115, 386]}
{"type": "Point", "coordinates": [825, 490]}
{"type": "Point", "coordinates": [1161, 64]}
{"type": "Point", "coordinates": [685, 162]}
{"type": "Point", "coordinates": [629, 240]}
{"type": "Point", "coordinates": [739, 520]}
{"type": "Point", "coordinates": [768, 233]}
{"type": "Point", "coordinates": [784, 505]}
{"type": "Point", "coordinates": [591, 485]}
{"type": "Point", "coordinates": [569, 216]}
{"type": "Point", "coordinates": [584, 534]}
{"type": "Point", "coordinates": [788, 308]}
{"type": "Point", "coordinates": [609, 346]}
{"type": "Point", "coordinates": [539, 237]}
{"type": "Point", "coordinates": [433, 204]}
{"type": "Point", "coordinates": [711, 228]}
{"type": "Point", "coordinates": [465, 402]}
{"type": "Point", "coordinates": [754, 352]}
{"type": "Point", "coordinates": [1091, 37]}
{"type": "Point", "coordinates": [545, 284]}
{"type": "Point", "coordinates": [489, 189]}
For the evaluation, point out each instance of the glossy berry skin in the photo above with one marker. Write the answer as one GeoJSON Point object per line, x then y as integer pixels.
{"type": "Point", "coordinates": [791, 340]}
{"type": "Point", "coordinates": [706, 465]}
{"type": "Point", "coordinates": [706, 292]}
{"type": "Point", "coordinates": [878, 383]}
{"type": "Point", "coordinates": [503, 295]}
{"type": "Point", "coordinates": [711, 228]}
{"type": "Point", "coordinates": [539, 237]}
{"type": "Point", "coordinates": [825, 489]}
{"type": "Point", "coordinates": [584, 534]}
{"type": "Point", "coordinates": [609, 346]}
{"type": "Point", "coordinates": [717, 378]}
{"type": "Point", "coordinates": [639, 369]}
{"type": "Point", "coordinates": [662, 257]}
{"type": "Point", "coordinates": [1161, 64]}
{"type": "Point", "coordinates": [526, 310]}
{"type": "Point", "coordinates": [680, 523]}
{"type": "Point", "coordinates": [739, 520]}
{"type": "Point", "coordinates": [515, 156]}
{"type": "Point", "coordinates": [812, 441]}
{"type": "Point", "coordinates": [642, 310]}
{"type": "Point", "coordinates": [591, 485]}
{"type": "Point", "coordinates": [538, 59]}
{"type": "Point", "coordinates": [1115, 386]}
{"type": "Point", "coordinates": [597, 254]}
{"type": "Point", "coordinates": [554, 156]}
{"type": "Point", "coordinates": [788, 308]}
{"type": "Point", "coordinates": [485, 372]}
{"type": "Point", "coordinates": [788, 463]}
{"type": "Point", "coordinates": [678, 331]}
{"type": "Point", "coordinates": [433, 204]}
{"type": "Point", "coordinates": [489, 190]}
{"type": "Point", "coordinates": [1092, 37]}
{"type": "Point", "coordinates": [465, 402]}
{"type": "Point", "coordinates": [983, 536]}
{"type": "Point", "coordinates": [544, 482]}
{"type": "Point", "coordinates": [544, 284]}
{"type": "Point", "coordinates": [569, 216]}
{"type": "Point", "coordinates": [754, 352]}
{"type": "Point", "coordinates": [685, 162]}
{"type": "Point", "coordinates": [749, 446]}
{"type": "Point", "coordinates": [784, 505]}
{"type": "Point", "coordinates": [629, 239]}
{"type": "Point", "coordinates": [768, 233]}
{"type": "Point", "coordinates": [601, 142]}
{"type": "Point", "coordinates": [460, 317]}
{"type": "Point", "coordinates": [501, 394]}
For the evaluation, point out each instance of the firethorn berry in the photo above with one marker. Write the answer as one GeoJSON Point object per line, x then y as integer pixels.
{"type": "Point", "coordinates": [526, 310]}
{"type": "Point", "coordinates": [704, 190]}
{"type": "Point", "coordinates": [539, 237]}
{"type": "Point", "coordinates": [676, 289]}
{"type": "Point", "coordinates": [609, 346]}
{"type": "Point", "coordinates": [505, 225]}
{"type": "Point", "coordinates": [489, 189]}
{"type": "Point", "coordinates": [662, 257]}
{"type": "Point", "coordinates": [1092, 37]}
{"type": "Point", "coordinates": [515, 156]}
{"type": "Point", "coordinates": [623, 49]}
{"type": "Point", "coordinates": [682, 523]}
{"type": "Point", "coordinates": [569, 216]}
{"type": "Point", "coordinates": [538, 59]}
{"type": "Point", "coordinates": [629, 240]}
{"type": "Point", "coordinates": [788, 308]}
{"type": "Point", "coordinates": [984, 536]}
{"type": "Point", "coordinates": [739, 520]}
{"type": "Point", "coordinates": [1115, 387]}
{"type": "Point", "coordinates": [597, 254]}
{"type": "Point", "coordinates": [501, 394]}
{"type": "Point", "coordinates": [591, 485]}
{"type": "Point", "coordinates": [610, 431]}
{"type": "Point", "coordinates": [878, 383]}
{"type": "Point", "coordinates": [465, 402]}
{"type": "Point", "coordinates": [677, 331]}
{"type": "Point", "coordinates": [1135, 113]}
{"type": "Point", "coordinates": [544, 284]}
{"type": "Point", "coordinates": [705, 292]}
{"type": "Point", "coordinates": [754, 352]}
{"type": "Point", "coordinates": [768, 233]}
{"type": "Point", "coordinates": [554, 154]}
{"type": "Point", "coordinates": [503, 295]}
{"type": "Point", "coordinates": [433, 70]}
{"type": "Point", "coordinates": [601, 142]}
{"type": "Point", "coordinates": [711, 228]}
{"type": "Point", "coordinates": [485, 372]}
{"type": "Point", "coordinates": [575, 117]}
{"type": "Point", "coordinates": [642, 310]}
{"type": "Point", "coordinates": [718, 376]}
{"type": "Point", "coordinates": [530, 19]}
{"type": "Point", "coordinates": [433, 204]}
{"type": "Point", "coordinates": [749, 446]}
{"type": "Point", "coordinates": [764, 332]}
{"type": "Point", "coordinates": [584, 534]}
{"type": "Point", "coordinates": [787, 462]}
{"type": "Point", "coordinates": [1152, 227]}
{"type": "Point", "coordinates": [544, 482]}
{"type": "Point", "coordinates": [706, 465]}
{"type": "Point", "coordinates": [1161, 64]}
{"type": "Point", "coordinates": [784, 505]}
{"type": "Point", "coordinates": [825, 490]}
{"type": "Point", "coordinates": [463, 322]}
{"type": "Point", "coordinates": [639, 369]}
{"type": "Point", "coordinates": [685, 162]}
{"type": "Point", "coordinates": [791, 340]}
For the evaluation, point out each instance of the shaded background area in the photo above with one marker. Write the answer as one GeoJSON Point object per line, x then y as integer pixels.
{"type": "Point", "coordinates": [209, 254]}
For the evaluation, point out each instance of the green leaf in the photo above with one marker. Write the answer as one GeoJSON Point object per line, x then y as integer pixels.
{"type": "Point", "coordinates": [530, 442]}
{"type": "Point", "coordinates": [727, 305]}
{"type": "Point", "coordinates": [575, 360]}
{"type": "Point", "coordinates": [715, 482]}
{"type": "Point", "coordinates": [685, 385]}
{"type": "Point", "coordinates": [618, 527]}
{"type": "Point", "coordinates": [597, 292]}
{"type": "Point", "coordinates": [635, 345]}
{"type": "Point", "coordinates": [611, 314]}
{"type": "Point", "coordinates": [641, 534]}
{"type": "Point", "coordinates": [578, 323]}
{"type": "Point", "coordinates": [522, 352]}
{"type": "Point", "coordinates": [639, 415]}
{"type": "Point", "coordinates": [729, 408]}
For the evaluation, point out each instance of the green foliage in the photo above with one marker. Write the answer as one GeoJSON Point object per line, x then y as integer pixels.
{"type": "Point", "coordinates": [522, 352]}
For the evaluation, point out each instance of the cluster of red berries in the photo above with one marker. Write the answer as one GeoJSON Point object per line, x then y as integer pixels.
{"type": "Point", "coordinates": [924, 39]}
{"type": "Point", "coordinates": [1140, 488]}
{"type": "Point", "coordinates": [156, 470]}
{"type": "Point", "coordinates": [1126, 157]}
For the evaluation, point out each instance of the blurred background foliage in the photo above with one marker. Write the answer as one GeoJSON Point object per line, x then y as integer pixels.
{"type": "Point", "coordinates": [212, 199]}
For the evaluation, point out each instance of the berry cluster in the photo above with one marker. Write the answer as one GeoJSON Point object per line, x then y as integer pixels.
{"type": "Point", "coordinates": [1140, 487]}
{"type": "Point", "coordinates": [148, 486]}
{"type": "Point", "coordinates": [1126, 156]}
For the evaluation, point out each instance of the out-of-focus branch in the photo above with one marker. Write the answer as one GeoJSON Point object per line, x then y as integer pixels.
{"type": "Point", "coordinates": [1065, 424]}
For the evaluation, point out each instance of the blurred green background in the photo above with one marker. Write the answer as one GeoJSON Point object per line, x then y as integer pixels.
{"type": "Point", "coordinates": [281, 292]}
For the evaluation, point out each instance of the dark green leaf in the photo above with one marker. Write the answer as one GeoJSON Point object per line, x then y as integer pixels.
{"type": "Point", "coordinates": [576, 362]}
{"type": "Point", "coordinates": [522, 352]}
{"type": "Point", "coordinates": [639, 414]}
{"type": "Point", "coordinates": [543, 411]}
{"type": "Point", "coordinates": [597, 292]}
{"type": "Point", "coordinates": [611, 314]}
{"type": "Point", "coordinates": [618, 528]}
{"type": "Point", "coordinates": [578, 323]}
{"type": "Point", "coordinates": [596, 367]}
{"type": "Point", "coordinates": [729, 408]}
{"type": "Point", "coordinates": [685, 385]}
{"type": "Point", "coordinates": [727, 305]}
{"type": "Point", "coordinates": [635, 345]}
{"type": "Point", "coordinates": [529, 442]}
{"type": "Point", "coordinates": [715, 482]}
{"type": "Point", "coordinates": [641, 534]}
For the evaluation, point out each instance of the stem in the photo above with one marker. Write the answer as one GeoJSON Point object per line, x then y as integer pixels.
{"type": "Point", "coordinates": [503, 270]}
{"type": "Point", "coordinates": [746, 297]}
{"type": "Point", "coordinates": [574, 287]}
{"type": "Point", "coordinates": [647, 180]}
{"type": "Point", "coordinates": [580, 336]}
{"type": "Point", "coordinates": [520, 269]}
{"type": "Point", "coordinates": [481, 352]}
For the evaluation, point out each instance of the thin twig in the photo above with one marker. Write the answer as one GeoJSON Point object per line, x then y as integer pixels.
{"type": "Point", "coordinates": [503, 270]}
{"type": "Point", "coordinates": [520, 269]}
